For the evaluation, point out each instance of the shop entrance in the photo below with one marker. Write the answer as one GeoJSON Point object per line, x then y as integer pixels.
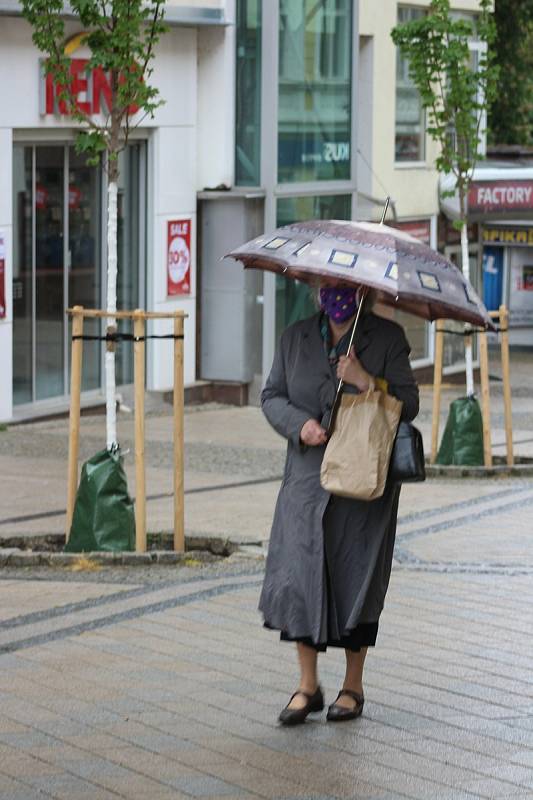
{"type": "Point", "coordinates": [59, 260]}
{"type": "Point", "coordinates": [521, 295]}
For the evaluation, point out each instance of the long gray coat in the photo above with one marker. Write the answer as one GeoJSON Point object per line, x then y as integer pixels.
{"type": "Point", "coordinates": [352, 540]}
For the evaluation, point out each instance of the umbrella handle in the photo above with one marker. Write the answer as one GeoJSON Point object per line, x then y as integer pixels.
{"type": "Point", "coordinates": [384, 212]}
{"type": "Point", "coordinates": [334, 408]}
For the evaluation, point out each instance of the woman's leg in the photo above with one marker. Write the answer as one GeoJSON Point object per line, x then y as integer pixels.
{"type": "Point", "coordinates": [353, 678]}
{"type": "Point", "coordinates": [307, 657]}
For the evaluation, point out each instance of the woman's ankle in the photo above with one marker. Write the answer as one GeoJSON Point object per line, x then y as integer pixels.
{"type": "Point", "coordinates": [309, 686]}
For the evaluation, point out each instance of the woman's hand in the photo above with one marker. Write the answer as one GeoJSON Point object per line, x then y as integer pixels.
{"type": "Point", "coordinates": [350, 370]}
{"type": "Point", "coordinates": [313, 434]}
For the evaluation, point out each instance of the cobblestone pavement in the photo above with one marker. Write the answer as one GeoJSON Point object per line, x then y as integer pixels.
{"type": "Point", "coordinates": [159, 682]}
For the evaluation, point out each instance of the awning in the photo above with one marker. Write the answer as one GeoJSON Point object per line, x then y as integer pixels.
{"type": "Point", "coordinates": [498, 191]}
{"type": "Point", "coordinates": [191, 16]}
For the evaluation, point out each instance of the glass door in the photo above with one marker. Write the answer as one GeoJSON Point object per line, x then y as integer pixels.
{"type": "Point", "coordinates": [296, 300]}
{"type": "Point", "coordinates": [59, 262]}
{"type": "Point", "coordinates": [84, 258]}
{"type": "Point", "coordinates": [49, 205]}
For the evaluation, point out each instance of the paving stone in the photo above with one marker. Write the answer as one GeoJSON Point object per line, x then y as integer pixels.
{"type": "Point", "coordinates": [181, 701]}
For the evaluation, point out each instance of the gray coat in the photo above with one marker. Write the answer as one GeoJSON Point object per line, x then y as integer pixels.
{"type": "Point", "coordinates": [316, 538]}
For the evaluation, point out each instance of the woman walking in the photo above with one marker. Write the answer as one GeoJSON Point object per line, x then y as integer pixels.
{"type": "Point", "coordinates": [330, 557]}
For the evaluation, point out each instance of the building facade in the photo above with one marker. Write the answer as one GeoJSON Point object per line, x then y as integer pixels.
{"type": "Point", "coordinates": [53, 209]}
{"type": "Point", "coordinates": [275, 111]}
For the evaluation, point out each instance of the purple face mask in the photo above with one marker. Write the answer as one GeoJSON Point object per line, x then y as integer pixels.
{"type": "Point", "coordinates": [339, 304]}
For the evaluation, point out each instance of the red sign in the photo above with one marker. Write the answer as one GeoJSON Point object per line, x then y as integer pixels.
{"type": "Point", "coordinates": [93, 85]}
{"type": "Point", "coordinates": [420, 229]}
{"type": "Point", "coordinates": [179, 256]}
{"type": "Point", "coordinates": [41, 196]}
{"type": "Point", "coordinates": [501, 196]}
{"type": "Point", "coordinates": [3, 310]}
{"type": "Point", "coordinates": [74, 197]}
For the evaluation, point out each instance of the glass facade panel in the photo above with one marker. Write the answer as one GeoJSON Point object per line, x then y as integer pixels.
{"type": "Point", "coordinates": [57, 212]}
{"type": "Point", "coordinates": [128, 239]}
{"type": "Point", "coordinates": [49, 272]}
{"type": "Point", "coordinates": [295, 300]}
{"type": "Point", "coordinates": [410, 117]}
{"type": "Point", "coordinates": [22, 275]}
{"type": "Point", "coordinates": [84, 262]}
{"type": "Point", "coordinates": [314, 112]}
{"type": "Point", "coordinates": [248, 94]}
{"type": "Point", "coordinates": [454, 346]}
{"type": "Point", "coordinates": [416, 330]}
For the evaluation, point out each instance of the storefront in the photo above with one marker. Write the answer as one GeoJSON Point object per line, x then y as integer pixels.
{"type": "Point", "coordinates": [508, 276]}
{"type": "Point", "coordinates": [53, 217]}
{"type": "Point", "coordinates": [500, 209]}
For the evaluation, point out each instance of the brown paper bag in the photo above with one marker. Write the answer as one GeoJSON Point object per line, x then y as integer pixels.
{"type": "Point", "coordinates": [356, 461]}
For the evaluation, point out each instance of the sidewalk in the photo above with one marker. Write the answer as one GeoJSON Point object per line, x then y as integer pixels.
{"type": "Point", "coordinates": [170, 689]}
{"type": "Point", "coordinates": [233, 459]}
{"type": "Point", "coordinates": [159, 683]}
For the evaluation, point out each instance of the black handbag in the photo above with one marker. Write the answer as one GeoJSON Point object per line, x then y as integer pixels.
{"type": "Point", "coordinates": [407, 464]}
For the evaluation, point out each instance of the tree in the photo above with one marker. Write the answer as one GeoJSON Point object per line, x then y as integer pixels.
{"type": "Point", "coordinates": [122, 36]}
{"type": "Point", "coordinates": [455, 96]}
{"type": "Point", "coordinates": [511, 112]}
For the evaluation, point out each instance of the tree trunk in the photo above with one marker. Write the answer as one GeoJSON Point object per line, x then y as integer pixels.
{"type": "Point", "coordinates": [110, 385]}
{"type": "Point", "coordinates": [468, 342]}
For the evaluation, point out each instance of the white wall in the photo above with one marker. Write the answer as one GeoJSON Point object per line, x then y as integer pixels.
{"type": "Point", "coordinates": [216, 104]}
{"type": "Point", "coordinates": [173, 177]}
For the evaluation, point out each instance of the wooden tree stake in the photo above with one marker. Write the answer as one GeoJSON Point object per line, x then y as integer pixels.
{"type": "Point", "coordinates": [74, 416]}
{"type": "Point", "coordinates": [506, 376]}
{"type": "Point", "coordinates": [140, 474]}
{"type": "Point", "coordinates": [437, 387]}
{"type": "Point", "coordinates": [179, 509]}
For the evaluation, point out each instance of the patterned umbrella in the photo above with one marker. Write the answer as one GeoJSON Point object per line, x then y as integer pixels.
{"type": "Point", "coordinates": [410, 275]}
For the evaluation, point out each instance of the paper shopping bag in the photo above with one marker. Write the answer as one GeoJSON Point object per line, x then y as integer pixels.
{"type": "Point", "coordinates": [357, 456]}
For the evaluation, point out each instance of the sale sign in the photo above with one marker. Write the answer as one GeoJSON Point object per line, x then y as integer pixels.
{"type": "Point", "coordinates": [2, 275]}
{"type": "Point", "coordinates": [179, 256]}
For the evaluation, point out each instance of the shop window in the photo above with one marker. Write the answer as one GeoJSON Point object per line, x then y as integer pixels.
{"type": "Point", "coordinates": [248, 94]}
{"type": "Point", "coordinates": [410, 116]}
{"type": "Point", "coordinates": [296, 300]}
{"type": "Point", "coordinates": [454, 345]}
{"type": "Point", "coordinates": [314, 109]}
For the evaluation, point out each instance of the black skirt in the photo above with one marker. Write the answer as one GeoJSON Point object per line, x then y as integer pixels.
{"type": "Point", "coordinates": [364, 635]}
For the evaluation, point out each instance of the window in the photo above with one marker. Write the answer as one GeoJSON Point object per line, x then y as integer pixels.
{"type": "Point", "coordinates": [294, 300]}
{"type": "Point", "coordinates": [248, 94]}
{"type": "Point", "coordinates": [314, 116]}
{"type": "Point", "coordinates": [410, 116]}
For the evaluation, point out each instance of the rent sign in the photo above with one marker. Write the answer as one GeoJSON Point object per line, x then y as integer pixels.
{"type": "Point", "coordinates": [501, 196]}
{"type": "Point", "coordinates": [90, 89]}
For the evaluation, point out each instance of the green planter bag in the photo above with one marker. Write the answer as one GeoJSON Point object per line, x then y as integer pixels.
{"type": "Point", "coordinates": [103, 514]}
{"type": "Point", "coordinates": [462, 442]}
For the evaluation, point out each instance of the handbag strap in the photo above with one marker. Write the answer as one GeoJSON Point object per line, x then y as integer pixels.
{"type": "Point", "coordinates": [340, 384]}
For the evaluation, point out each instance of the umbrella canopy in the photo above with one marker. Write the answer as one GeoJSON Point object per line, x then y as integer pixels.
{"type": "Point", "coordinates": [410, 275]}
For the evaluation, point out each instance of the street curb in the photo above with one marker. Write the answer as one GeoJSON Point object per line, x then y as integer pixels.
{"type": "Point", "coordinates": [496, 471]}
{"type": "Point", "coordinates": [15, 557]}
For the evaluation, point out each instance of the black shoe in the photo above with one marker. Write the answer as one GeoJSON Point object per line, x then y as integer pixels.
{"type": "Point", "coordinates": [295, 716]}
{"type": "Point", "coordinates": [338, 713]}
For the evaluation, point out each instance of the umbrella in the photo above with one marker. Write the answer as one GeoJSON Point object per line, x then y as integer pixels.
{"type": "Point", "coordinates": [410, 275]}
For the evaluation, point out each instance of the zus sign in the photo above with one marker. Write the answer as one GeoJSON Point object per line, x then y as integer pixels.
{"type": "Point", "coordinates": [336, 151]}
